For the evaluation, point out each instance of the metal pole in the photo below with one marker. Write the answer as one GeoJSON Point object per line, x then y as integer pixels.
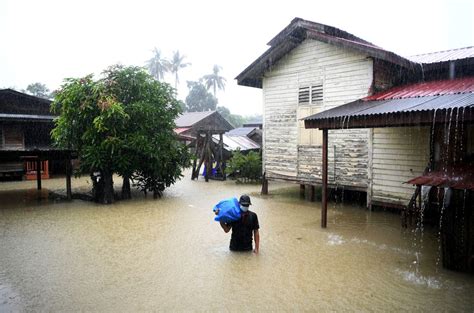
{"type": "Point", "coordinates": [324, 200]}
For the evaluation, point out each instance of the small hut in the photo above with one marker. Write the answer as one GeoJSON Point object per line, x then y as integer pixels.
{"type": "Point", "coordinates": [197, 130]}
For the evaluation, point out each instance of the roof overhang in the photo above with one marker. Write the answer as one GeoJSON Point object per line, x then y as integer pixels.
{"type": "Point", "coordinates": [396, 112]}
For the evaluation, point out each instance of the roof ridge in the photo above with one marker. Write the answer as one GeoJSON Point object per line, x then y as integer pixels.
{"type": "Point", "coordinates": [434, 52]}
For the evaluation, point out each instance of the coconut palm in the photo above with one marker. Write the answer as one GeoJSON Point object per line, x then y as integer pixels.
{"type": "Point", "coordinates": [214, 80]}
{"type": "Point", "coordinates": [177, 63]}
{"type": "Point", "coordinates": [157, 66]}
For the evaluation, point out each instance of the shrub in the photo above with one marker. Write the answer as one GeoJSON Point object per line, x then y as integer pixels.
{"type": "Point", "coordinates": [245, 167]}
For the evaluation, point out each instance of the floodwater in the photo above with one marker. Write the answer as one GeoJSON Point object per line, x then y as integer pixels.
{"type": "Point", "coordinates": [169, 255]}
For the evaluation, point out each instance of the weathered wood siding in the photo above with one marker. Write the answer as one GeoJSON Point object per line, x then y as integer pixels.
{"type": "Point", "coordinates": [398, 155]}
{"type": "Point", "coordinates": [346, 76]}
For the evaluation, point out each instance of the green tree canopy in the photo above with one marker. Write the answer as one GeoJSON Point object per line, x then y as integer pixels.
{"type": "Point", "coordinates": [199, 99]}
{"type": "Point", "coordinates": [214, 80]}
{"type": "Point", "coordinates": [38, 90]}
{"type": "Point", "coordinates": [234, 119]}
{"type": "Point", "coordinates": [122, 124]}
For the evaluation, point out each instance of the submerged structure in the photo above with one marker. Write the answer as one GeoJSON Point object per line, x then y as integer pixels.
{"type": "Point", "coordinates": [26, 149]}
{"type": "Point", "coordinates": [342, 112]}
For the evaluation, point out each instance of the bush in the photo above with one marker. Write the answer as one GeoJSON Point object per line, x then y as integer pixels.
{"type": "Point", "coordinates": [245, 168]}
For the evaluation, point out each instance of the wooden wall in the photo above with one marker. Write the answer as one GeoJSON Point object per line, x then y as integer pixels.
{"type": "Point", "coordinates": [398, 155]}
{"type": "Point", "coordinates": [346, 76]}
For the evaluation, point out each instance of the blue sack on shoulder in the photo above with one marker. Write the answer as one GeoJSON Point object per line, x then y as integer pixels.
{"type": "Point", "coordinates": [227, 210]}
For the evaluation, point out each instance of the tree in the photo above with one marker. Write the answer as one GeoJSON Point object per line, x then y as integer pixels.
{"type": "Point", "coordinates": [234, 119]}
{"type": "Point", "coordinates": [214, 80]}
{"type": "Point", "coordinates": [157, 66]}
{"type": "Point", "coordinates": [38, 90]}
{"type": "Point", "coordinates": [177, 63]}
{"type": "Point", "coordinates": [199, 99]}
{"type": "Point", "coordinates": [121, 124]}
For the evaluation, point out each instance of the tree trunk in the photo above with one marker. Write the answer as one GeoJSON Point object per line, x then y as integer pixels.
{"type": "Point", "coordinates": [126, 192]}
{"type": "Point", "coordinates": [102, 187]}
{"type": "Point", "coordinates": [108, 188]}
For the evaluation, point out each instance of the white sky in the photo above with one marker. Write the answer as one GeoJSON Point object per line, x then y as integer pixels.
{"type": "Point", "coordinates": [46, 41]}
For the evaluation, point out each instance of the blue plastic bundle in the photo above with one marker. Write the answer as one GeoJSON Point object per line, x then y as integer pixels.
{"type": "Point", "coordinates": [227, 210]}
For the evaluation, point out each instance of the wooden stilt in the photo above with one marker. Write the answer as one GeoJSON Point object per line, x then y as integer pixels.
{"type": "Point", "coordinates": [38, 173]}
{"type": "Point", "coordinates": [311, 196]}
{"type": "Point", "coordinates": [302, 190]}
{"type": "Point", "coordinates": [324, 200]}
{"type": "Point", "coordinates": [68, 178]}
{"type": "Point", "coordinates": [264, 184]}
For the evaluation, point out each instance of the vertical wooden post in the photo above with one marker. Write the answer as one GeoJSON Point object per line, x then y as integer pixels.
{"type": "Point", "coordinates": [221, 156]}
{"type": "Point", "coordinates": [38, 173]}
{"type": "Point", "coordinates": [312, 193]}
{"type": "Point", "coordinates": [324, 200]}
{"type": "Point", "coordinates": [68, 178]}
{"type": "Point", "coordinates": [302, 190]}
{"type": "Point", "coordinates": [264, 184]}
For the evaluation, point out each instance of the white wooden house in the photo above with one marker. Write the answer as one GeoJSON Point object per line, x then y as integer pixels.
{"type": "Point", "coordinates": [310, 68]}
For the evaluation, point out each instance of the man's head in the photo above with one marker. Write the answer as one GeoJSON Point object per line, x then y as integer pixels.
{"type": "Point", "coordinates": [244, 202]}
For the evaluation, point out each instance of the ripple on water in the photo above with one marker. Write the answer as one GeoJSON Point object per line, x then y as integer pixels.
{"type": "Point", "coordinates": [418, 279]}
{"type": "Point", "coordinates": [335, 240]}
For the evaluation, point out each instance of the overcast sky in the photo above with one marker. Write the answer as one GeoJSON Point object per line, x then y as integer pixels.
{"type": "Point", "coordinates": [46, 41]}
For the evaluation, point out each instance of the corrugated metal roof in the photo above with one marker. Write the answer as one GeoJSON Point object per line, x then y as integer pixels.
{"type": "Point", "coordinates": [457, 178]}
{"type": "Point", "coordinates": [241, 131]}
{"type": "Point", "coordinates": [232, 143]}
{"type": "Point", "coordinates": [190, 118]}
{"type": "Point", "coordinates": [417, 97]}
{"type": "Point", "coordinates": [443, 56]}
{"type": "Point", "coordinates": [424, 89]}
{"type": "Point", "coordinates": [430, 103]}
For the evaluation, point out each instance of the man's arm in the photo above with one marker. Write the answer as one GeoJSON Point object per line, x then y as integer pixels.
{"type": "Point", "coordinates": [225, 227]}
{"type": "Point", "coordinates": [256, 236]}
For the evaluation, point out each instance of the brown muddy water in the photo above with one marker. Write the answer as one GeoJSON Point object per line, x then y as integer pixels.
{"type": "Point", "coordinates": [169, 255]}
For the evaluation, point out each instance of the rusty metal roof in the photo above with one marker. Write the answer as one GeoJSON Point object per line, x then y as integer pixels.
{"type": "Point", "coordinates": [458, 178]}
{"type": "Point", "coordinates": [423, 89]}
{"type": "Point", "coordinates": [443, 56]}
{"type": "Point", "coordinates": [415, 104]}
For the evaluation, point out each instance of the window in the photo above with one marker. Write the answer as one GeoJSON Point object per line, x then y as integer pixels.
{"type": "Point", "coordinates": [312, 137]}
{"type": "Point", "coordinates": [312, 93]}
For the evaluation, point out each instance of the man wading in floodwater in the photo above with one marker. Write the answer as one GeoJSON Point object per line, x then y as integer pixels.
{"type": "Point", "coordinates": [241, 239]}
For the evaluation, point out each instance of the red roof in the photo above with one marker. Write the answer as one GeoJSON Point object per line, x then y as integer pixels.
{"type": "Point", "coordinates": [180, 130]}
{"type": "Point", "coordinates": [433, 88]}
{"type": "Point", "coordinates": [460, 177]}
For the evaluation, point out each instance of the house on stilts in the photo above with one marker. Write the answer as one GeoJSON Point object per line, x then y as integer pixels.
{"type": "Point", "coordinates": [26, 150]}
{"type": "Point", "coordinates": [342, 112]}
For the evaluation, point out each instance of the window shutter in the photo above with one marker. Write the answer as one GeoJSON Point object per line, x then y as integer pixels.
{"type": "Point", "coordinates": [303, 95]}
{"type": "Point", "coordinates": [316, 93]}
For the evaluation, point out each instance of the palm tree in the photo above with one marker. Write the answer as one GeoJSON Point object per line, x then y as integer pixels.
{"type": "Point", "coordinates": [157, 66]}
{"type": "Point", "coordinates": [214, 80]}
{"type": "Point", "coordinates": [177, 63]}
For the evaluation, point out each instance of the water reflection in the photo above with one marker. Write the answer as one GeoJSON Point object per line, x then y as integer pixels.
{"type": "Point", "coordinates": [169, 255]}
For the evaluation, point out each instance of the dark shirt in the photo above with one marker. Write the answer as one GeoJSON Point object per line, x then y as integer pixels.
{"type": "Point", "coordinates": [242, 230]}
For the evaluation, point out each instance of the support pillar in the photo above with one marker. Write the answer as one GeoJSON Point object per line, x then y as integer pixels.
{"type": "Point", "coordinates": [264, 184]}
{"type": "Point", "coordinates": [302, 190]}
{"type": "Point", "coordinates": [68, 178]}
{"type": "Point", "coordinates": [324, 198]}
{"type": "Point", "coordinates": [38, 173]}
